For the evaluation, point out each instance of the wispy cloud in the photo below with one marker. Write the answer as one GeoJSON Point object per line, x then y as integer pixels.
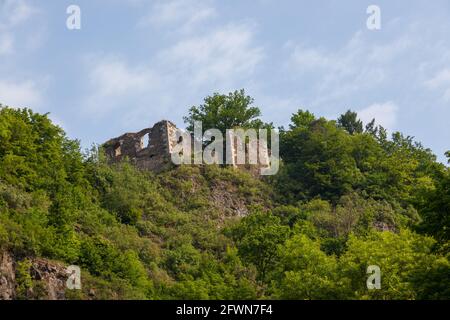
{"type": "Point", "coordinates": [23, 94]}
{"type": "Point", "coordinates": [441, 82]}
{"type": "Point", "coordinates": [357, 65]}
{"type": "Point", "coordinates": [112, 81]}
{"type": "Point", "coordinates": [181, 15]}
{"type": "Point", "coordinates": [112, 77]}
{"type": "Point", "coordinates": [306, 59]}
{"type": "Point", "coordinates": [6, 43]}
{"type": "Point", "coordinates": [384, 114]}
{"type": "Point", "coordinates": [220, 57]}
{"type": "Point", "coordinates": [13, 13]}
{"type": "Point", "coordinates": [18, 89]}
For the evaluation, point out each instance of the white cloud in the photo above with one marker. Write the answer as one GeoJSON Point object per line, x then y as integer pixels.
{"type": "Point", "coordinates": [385, 114]}
{"type": "Point", "coordinates": [25, 94]}
{"type": "Point", "coordinates": [385, 53]}
{"type": "Point", "coordinates": [199, 60]}
{"type": "Point", "coordinates": [14, 12]}
{"type": "Point", "coordinates": [184, 15]}
{"type": "Point", "coordinates": [397, 63]}
{"type": "Point", "coordinates": [304, 59]}
{"type": "Point", "coordinates": [440, 81]}
{"type": "Point", "coordinates": [6, 43]}
{"type": "Point", "coordinates": [219, 60]}
{"type": "Point", "coordinates": [112, 77]}
{"type": "Point", "coordinates": [335, 74]}
{"type": "Point", "coordinates": [56, 120]}
{"type": "Point", "coordinates": [112, 81]}
{"type": "Point", "coordinates": [221, 56]}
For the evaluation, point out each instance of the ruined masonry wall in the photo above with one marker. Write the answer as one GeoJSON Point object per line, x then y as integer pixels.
{"type": "Point", "coordinates": [151, 148]}
{"type": "Point", "coordinates": [148, 149]}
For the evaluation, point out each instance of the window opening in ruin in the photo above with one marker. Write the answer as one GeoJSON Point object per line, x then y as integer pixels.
{"type": "Point", "coordinates": [117, 151]}
{"type": "Point", "coordinates": [145, 141]}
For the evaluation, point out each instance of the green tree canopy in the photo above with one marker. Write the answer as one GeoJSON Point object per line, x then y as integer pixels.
{"type": "Point", "coordinates": [224, 112]}
{"type": "Point", "coordinates": [258, 236]}
{"type": "Point", "coordinates": [350, 122]}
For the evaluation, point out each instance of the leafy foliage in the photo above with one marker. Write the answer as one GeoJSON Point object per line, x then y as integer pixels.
{"type": "Point", "coordinates": [224, 112]}
{"type": "Point", "coordinates": [345, 198]}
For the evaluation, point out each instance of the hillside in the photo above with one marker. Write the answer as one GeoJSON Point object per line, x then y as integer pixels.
{"type": "Point", "coordinates": [346, 197]}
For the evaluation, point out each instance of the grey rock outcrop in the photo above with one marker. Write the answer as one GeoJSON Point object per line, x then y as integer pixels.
{"type": "Point", "coordinates": [7, 277]}
{"type": "Point", "coordinates": [49, 279]}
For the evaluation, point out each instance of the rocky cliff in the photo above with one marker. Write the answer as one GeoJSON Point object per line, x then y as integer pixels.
{"type": "Point", "coordinates": [48, 279]}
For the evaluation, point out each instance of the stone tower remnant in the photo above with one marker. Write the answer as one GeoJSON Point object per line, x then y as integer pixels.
{"type": "Point", "coordinates": [148, 149]}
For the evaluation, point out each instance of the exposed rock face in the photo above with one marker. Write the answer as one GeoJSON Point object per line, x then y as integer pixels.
{"type": "Point", "coordinates": [49, 279]}
{"type": "Point", "coordinates": [225, 200]}
{"type": "Point", "coordinates": [53, 277]}
{"type": "Point", "coordinates": [7, 277]}
{"type": "Point", "coordinates": [383, 226]}
{"type": "Point", "coordinates": [148, 149]}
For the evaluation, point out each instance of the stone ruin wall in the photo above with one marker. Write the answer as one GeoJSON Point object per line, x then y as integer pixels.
{"type": "Point", "coordinates": [151, 148]}
{"type": "Point", "coordinates": [148, 149]}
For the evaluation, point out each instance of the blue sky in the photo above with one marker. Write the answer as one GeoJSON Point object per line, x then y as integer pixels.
{"type": "Point", "coordinates": [135, 62]}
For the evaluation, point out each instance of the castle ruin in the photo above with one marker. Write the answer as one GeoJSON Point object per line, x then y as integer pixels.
{"type": "Point", "coordinates": [148, 149]}
{"type": "Point", "coordinates": [151, 149]}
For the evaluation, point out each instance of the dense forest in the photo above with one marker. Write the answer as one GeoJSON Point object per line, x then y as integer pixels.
{"type": "Point", "coordinates": [347, 195]}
